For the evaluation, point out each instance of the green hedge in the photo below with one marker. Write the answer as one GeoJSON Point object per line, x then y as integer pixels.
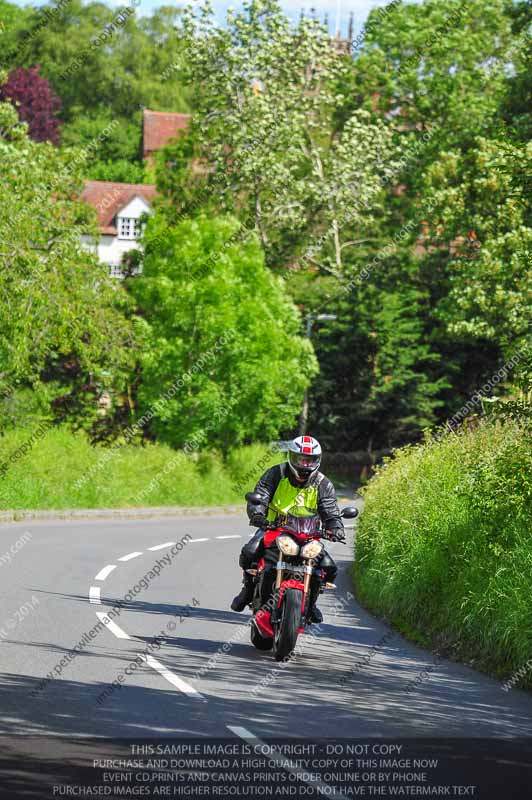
{"type": "Point", "coordinates": [57, 469]}
{"type": "Point", "coordinates": [444, 548]}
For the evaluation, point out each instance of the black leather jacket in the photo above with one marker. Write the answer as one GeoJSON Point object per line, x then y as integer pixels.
{"type": "Point", "coordinates": [327, 506]}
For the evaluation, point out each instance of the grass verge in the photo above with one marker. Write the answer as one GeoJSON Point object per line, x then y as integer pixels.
{"type": "Point", "coordinates": [444, 548]}
{"type": "Point", "coordinates": [61, 469]}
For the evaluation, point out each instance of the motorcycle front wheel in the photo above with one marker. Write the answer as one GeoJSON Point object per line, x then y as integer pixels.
{"type": "Point", "coordinates": [286, 630]}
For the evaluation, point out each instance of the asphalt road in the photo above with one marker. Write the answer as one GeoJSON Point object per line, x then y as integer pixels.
{"type": "Point", "coordinates": [354, 678]}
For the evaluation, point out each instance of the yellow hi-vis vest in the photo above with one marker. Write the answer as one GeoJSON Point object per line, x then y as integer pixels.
{"type": "Point", "coordinates": [296, 500]}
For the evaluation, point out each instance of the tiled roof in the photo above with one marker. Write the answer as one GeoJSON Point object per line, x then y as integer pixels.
{"type": "Point", "coordinates": [158, 127]}
{"type": "Point", "coordinates": [108, 198]}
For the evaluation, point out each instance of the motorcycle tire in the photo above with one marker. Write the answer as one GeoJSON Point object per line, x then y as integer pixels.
{"type": "Point", "coordinates": [286, 631]}
{"type": "Point", "coordinates": [258, 641]}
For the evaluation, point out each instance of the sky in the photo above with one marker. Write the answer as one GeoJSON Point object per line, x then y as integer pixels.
{"type": "Point", "coordinates": [359, 8]}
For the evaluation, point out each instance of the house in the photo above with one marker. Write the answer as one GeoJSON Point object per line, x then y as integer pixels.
{"type": "Point", "coordinates": [120, 206]}
{"type": "Point", "coordinates": [158, 128]}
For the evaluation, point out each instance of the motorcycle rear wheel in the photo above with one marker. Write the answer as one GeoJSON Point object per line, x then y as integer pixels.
{"type": "Point", "coordinates": [286, 631]}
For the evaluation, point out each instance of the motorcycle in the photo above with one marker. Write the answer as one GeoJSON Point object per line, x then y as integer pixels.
{"type": "Point", "coordinates": [297, 539]}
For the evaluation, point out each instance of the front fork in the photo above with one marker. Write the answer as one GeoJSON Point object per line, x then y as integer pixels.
{"type": "Point", "coordinates": [276, 611]}
{"type": "Point", "coordinates": [308, 570]}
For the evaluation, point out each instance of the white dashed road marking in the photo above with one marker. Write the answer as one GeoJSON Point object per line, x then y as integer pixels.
{"type": "Point", "coordinates": [282, 760]}
{"type": "Point", "coordinates": [112, 626]}
{"type": "Point", "coordinates": [103, 573]}
{"type": "Point", "coordinates": [243, 733]}
{"type": "Point", "coordinates": [162, 546]}
{"type": "Point", "coordinates": [130, 556]}
{"type": "Point", "coordinates": [175, 680]}
{"type": "Point", "coordinates": [94, 595]}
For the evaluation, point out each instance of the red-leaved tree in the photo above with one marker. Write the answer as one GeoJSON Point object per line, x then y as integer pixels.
{"type": "Point", "coordinates": [36, 104]}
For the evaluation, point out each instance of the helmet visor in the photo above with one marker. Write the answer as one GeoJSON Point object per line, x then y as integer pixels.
{"type": "Point", "coordinates": [304, 462]}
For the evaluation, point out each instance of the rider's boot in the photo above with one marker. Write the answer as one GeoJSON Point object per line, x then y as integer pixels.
{"type": "Point", "coordinates": [314, 614]}
{"type": "Point", "coordinates": [245, 596]}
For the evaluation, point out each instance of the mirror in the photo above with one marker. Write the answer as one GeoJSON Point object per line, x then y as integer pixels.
{"type": "Point", "coordinates": [350, 512]}
{"type": "Point", "coordinates": [256, 499]}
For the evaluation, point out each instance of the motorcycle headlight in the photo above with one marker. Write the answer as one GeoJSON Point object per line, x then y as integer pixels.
{"type": "Point", "coordinates": [312, 549]}
{"type": "Point", "coordinates": [287, 545]}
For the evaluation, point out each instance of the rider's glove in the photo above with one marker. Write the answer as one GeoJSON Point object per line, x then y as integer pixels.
{"type": "Point", "coordinates": [258, 520]}
{"type": "Point", "coordinates": [337, 535]}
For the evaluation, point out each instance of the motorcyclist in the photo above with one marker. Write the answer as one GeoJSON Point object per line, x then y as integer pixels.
{"type": "Point", "coordinates": [285, 487]}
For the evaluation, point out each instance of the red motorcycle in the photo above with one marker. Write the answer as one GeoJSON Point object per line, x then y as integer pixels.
{"type": "Point", "coordinates": [285, 616]}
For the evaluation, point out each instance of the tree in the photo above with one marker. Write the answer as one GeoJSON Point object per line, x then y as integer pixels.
{"type": "Point", "coordinates": [123, 144]}
{"type": "Point", "coordinates": [106, 65]}
{"type": "Point", "coordinates": [12, 23]}
{"type": "Point", "coordinates": [482, 198]}
{"type": "Point", "coordinates": [423, 257]}
{"type": "Point", "coordinates": [264, 129]}
{"type": "Point", "coordinates": [438, 63]}
{"type": "Point", "coordinates": [221, 335]}
{"type": "Point", "coordinates": [322, 180]}
{"type": "Point", "coordinates": [62, 319]}
{"type": "Point", "coordinates": [121, 171]}
{"type": "Point", "coordinates": [35, 102]}
{"type": "Point", "coordinates": [381, 380]}
{"type": "Point", "coordinates": [404, 392]}
{"type": "Point", "coordinates": [437, 74]}
{"type": "Point", "coordinates": [100, 58]}
{"type": "Point", "coordinates": [10, 14]}
{"type": "Point", "coordinates": [517, 103]}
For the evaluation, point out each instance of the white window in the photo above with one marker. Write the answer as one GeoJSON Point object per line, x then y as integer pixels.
{"type": "Point", "coordinates": [115, 270]}
{"type": "Point", "coordinates": [128, 228]}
